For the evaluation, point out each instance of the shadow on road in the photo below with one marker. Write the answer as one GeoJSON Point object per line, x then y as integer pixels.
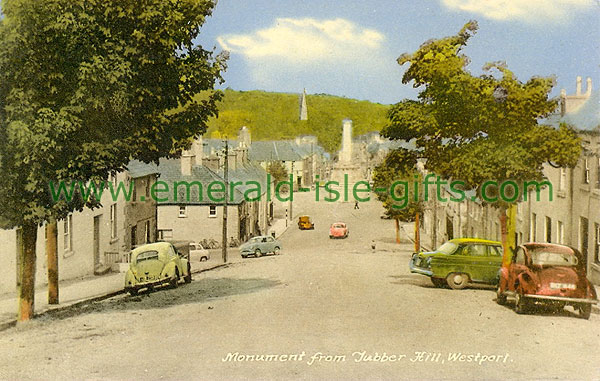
{"type": "Point", "coordinates": [424, 282]}
{"type": "Point", "coordinates": [196, 292]}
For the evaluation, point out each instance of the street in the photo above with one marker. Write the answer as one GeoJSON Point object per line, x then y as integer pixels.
{"type": "Point", "coordinates": [323, 309]}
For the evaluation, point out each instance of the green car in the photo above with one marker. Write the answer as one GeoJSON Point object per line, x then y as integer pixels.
{"type": "Point", "coordinates": [156, 264]}
{"type": "Point", "coordinates": [460, 261]}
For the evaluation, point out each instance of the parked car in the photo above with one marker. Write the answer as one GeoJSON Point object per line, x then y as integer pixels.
{"type": "Point", "coordinates": [304, 223]}
{"type": "Point", "coordinates": [338, 230]}
{"type": "Point", "coordinates": [198, 252]}
{"type": "Point", "coordinates": [260, 245]}
{"type": "Point", "coordinates": [460, 261]}
{"type": "Point", "coordinates": [547, 274]}
{"type": "Point", "coordinates": [156, 264]}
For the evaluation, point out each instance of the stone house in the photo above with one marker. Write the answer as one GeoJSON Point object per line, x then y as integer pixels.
{"type": "Point", "coordinates": [90, 240]}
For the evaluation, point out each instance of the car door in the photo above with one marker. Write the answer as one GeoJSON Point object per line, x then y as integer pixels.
{"type": "Point", "coordinates": [493, 263]}
{"type": "Point", "coordinates": [517, 266]}
{"type": "Point", "coordinates": [173, 255]}
{"type": "Point", "coordinates": [476, 261]}
{"type": "Point", "coordinates": [270, 244]}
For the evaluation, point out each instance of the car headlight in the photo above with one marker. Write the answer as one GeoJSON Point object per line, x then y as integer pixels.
{"type": "Point", "coordinates": [428, 261]}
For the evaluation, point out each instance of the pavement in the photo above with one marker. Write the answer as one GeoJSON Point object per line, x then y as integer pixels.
{"type": "Point", "coordinates": [77, 291]}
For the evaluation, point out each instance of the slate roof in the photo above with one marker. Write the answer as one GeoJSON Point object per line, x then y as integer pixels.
{"type": "Point", "coordinates": [169, 171]}
{"type": "Point", "coordinates": [586, 118]}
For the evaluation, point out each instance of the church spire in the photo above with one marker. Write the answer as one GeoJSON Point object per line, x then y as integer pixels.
{"type": "Point", "coordinates": [303, 106]}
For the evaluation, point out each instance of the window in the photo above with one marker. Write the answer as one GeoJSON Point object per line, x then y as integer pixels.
{"type": "Point", "coordinates": [586, 171]}
{"type": "Point", "coordinates": [598, 174]}
{"type": "Point", "coordinates": [113, 221]}
{"type": "Point", "coordinates": [212, 211]}
{"type": "Point", "coordinates": [182, 211]}
{"type": "Point", "coordinates": [562, 180]}
{"type": "Point", "coordinates": [533, 228]}
{"type": "Point", "coordinates": [495, 251]}
{"type": "Point", "coordinates": [548, 229]}
{"type": "Point", "coordinates": [560, 232]}
{"type": "Point", "coordinates": [476, 250]}
{"type": "Point", "coordinates": [520, 257]}
{"type": "Point", "coordinates": [68, 233]}
{"type": "Point", "coordinates": [597, 243]}
{"type": "Point", "coordinates": [147, 191]}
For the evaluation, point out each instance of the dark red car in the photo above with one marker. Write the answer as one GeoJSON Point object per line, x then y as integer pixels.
{"type": "Point", "coordinates": [547, 274]}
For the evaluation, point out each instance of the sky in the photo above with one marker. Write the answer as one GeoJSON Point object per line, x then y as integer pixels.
{"type": "Point", "coordinates": [349, 47]}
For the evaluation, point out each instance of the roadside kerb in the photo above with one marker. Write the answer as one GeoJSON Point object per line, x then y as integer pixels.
{"type": "Point", "coordinates": [81, 302]}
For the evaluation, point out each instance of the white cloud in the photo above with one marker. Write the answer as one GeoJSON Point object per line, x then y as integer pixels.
{"type": "Point", "coordinates": [306, 40]}
{"type": "Point", "coordinates": [535, 11]}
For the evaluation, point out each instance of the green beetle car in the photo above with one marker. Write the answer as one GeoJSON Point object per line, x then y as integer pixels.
{"type": "Point", "coordinates": [460, 261]}
{"type": "Point", "coordinates": [156, 264]}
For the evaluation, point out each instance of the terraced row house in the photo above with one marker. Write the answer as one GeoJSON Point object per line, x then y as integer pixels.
{"type": "Point", "coordinates": [572, 217]}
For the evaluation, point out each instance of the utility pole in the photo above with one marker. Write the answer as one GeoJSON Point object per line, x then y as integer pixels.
{"type": "Point", "coordinates": [291, 194]}
{"type": "Point", "coordinates": [225, 175]}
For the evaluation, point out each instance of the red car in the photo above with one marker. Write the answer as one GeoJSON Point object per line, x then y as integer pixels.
{"type": "Point", "coordinates": [338, 230]}
{"type": "Point", "coordinates": [547, 274]}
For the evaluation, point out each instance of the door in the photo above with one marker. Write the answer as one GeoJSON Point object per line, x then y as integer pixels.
{"type": "Point", "coordinates": [494, 263]}
{"type": "Point", "coordinates": [133, 237]}
{"type": "Point", "coordinates": [449, 228]}
{"type": "Point", "coordinates": [97, 240]}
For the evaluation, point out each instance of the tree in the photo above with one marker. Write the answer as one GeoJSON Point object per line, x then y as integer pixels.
{"type": "Point", "coordinates": [278, 172]}
{"type": "Point", "coordinates": [394, 181]}
{"type": "Point", "coordinates": [477, 128]}
{"type": "Point", "coordinates": [86, 86]}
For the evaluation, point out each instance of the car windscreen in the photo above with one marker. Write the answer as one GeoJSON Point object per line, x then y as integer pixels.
{"type": "Point", "coordinates": [146, 255]}
{"type": "Point", "coordinates": [448, 248]}
{"type": "Point", "coordinates": [548, 258]}
{"type": "Point", "coordinates": [338, 226]}
{"type": "Point", "coordinates": [256, 239]}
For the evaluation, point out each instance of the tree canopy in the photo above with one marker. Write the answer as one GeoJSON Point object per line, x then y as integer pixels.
{"type": "Point", "coordinates": [477, 128]}
{"type": "Point", "coordinates": [88, 85]}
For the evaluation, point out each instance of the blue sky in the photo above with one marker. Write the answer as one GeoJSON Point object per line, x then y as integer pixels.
{"type": "Point", "coordinates": [349, 47]}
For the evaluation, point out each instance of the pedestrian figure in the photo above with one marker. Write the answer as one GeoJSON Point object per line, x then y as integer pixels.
{"type": "Point", "coordinates": [373, 245]}
{"type": "Point", "coordinates": [356, 205]}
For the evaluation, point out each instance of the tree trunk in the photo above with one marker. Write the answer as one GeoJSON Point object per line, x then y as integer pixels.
{"type": "Point", "coordinates": [27, 269]}
{"type": "Point", "coordinates": [417, 234]}
{"type": "Point", "coordinates": [52, 258]}
{"type": "Point", "coordinates": [397, 230]}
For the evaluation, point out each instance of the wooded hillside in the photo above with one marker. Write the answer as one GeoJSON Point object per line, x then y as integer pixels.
{"type": "Point", "coordinates": [276, 116]}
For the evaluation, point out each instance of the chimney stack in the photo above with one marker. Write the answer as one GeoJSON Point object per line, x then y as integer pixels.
{"type": "Point", "coordinates": [187, 159]}
{"type": "Point", "coordinates": [578, 91]}
{"type": "Point", "coordinates": [198, 151]}
{"type": "Point", "coordinates": [588, 89]}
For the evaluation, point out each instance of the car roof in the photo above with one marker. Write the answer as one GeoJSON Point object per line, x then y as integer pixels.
{"type": "Point", "coordinates": [335, 223]}
{"type": "Point", "coordinates": [158, 246]}
{"type": "Point", "coordinates": [475, 240]}
{"type": "Point", "coordinates": [536, 245]}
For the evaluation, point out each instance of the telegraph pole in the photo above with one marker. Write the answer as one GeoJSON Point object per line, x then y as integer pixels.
{"type": "Point", "coordinates": [291, 194]}
{"type": "Point", "coordinates": [225, 175]}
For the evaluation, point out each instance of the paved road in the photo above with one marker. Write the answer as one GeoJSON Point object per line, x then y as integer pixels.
{"type": "Point", "coordinates": [324, 309]}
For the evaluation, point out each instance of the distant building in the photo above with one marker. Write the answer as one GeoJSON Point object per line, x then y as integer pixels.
{"type": "Point", "coordinates": [303, 106]}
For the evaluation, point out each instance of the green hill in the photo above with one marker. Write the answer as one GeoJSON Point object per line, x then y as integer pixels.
{"type": "Point", "coordinates": [276, 116]}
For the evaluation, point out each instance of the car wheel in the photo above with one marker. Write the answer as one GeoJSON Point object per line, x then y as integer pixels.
{"type": "Point", "coordinates": [438, 282]}
{"type": "Point", "coordinates": [500, 297]}
{"type": "Point", "coordinates": [244, 256]}
{"type": "Point", "coordinates": [132, 291]}
{"type": "Point", "coordinates": [276, 250]}
{"type": "Point", "coordinates": [257, 253]}
{"type": "Point", "coordinates": [174, 282]}
{"type": "Point", "coordinates": [457, 281]}
{"type": "Point", "coordinates": [521, 304]}
{"type": "Point", "coordinates": [188, 277]}
{"type": "Point", "coordinates": [585, 310]}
